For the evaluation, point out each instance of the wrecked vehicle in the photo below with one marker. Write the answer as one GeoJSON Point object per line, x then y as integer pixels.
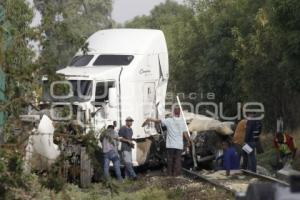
{"type": "Point", "coordinates": [123, 72]}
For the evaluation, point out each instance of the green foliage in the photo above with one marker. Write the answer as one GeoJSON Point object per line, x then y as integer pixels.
{"type": "Point", "coordinates": [91, 143]}
{"type": "Point", "coordinates": [239, 50]}
{"type": "Point", "coordinates": [15, 164]}
{"type": "Point", "coordinates": [268, 158]}
{"type": "Point", "coordinates": [11, 173]}
{"type": "Point", "coordinates": [178, 24]}
{"type": "Point", "coordinates": [176, 194]}
{"type": "Point", "coordinates": [66, 25]}
{"type": "Point", "coordinates": [268, 58]}
{"type": "Point", "coordinates": [53, 182]}
{"type": "Point", "coordinates": [54, 179]}
{"type": "Point", "coordinates": [153, 193]}
{"type": "Point", "coordinates": [16, 56]}
{"type": "Point", "coordinates": [93, 150]}
{"type": "Point", "coordinates": [112, 187]}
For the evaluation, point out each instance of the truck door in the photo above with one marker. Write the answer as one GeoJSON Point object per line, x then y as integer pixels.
{"type": "Point", "coordinates": [106, 114]}
{"type": "Point", "coordinates": [149, 109]}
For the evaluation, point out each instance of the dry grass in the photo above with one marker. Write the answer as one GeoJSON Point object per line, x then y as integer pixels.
{"type": "Point", "coordinates": [147, 188]}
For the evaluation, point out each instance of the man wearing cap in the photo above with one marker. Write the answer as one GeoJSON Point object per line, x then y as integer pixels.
{"type": "Point", "coordinates": [176, 131]}
{"type": "Point", "coordinates": [125, 134]}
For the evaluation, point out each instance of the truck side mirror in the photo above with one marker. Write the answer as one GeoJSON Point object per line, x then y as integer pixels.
{"type": "Point", "coordinates": [112, 97]}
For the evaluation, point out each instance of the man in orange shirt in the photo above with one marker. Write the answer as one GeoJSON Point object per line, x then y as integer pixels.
{"type": "Point", "coordinates": [239, 140]}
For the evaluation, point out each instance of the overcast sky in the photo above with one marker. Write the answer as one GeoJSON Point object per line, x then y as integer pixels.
{"type": "Point", "coordinates": [123, 10]}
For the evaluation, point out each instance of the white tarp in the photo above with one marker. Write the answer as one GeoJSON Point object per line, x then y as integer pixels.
{"type": "Point", "coordinates": [199, 123]}
{"type": "Point", "coordinates": [43, 141]}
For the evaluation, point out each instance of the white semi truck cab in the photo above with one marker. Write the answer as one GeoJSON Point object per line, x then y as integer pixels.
{"type": "Point", "coordinates": [124, 72]}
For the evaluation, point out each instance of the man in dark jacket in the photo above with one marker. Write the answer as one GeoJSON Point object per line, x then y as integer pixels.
{"type": "Point", "coordinates": [253, 130]}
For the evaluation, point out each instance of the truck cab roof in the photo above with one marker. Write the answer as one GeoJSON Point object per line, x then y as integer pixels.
{"type": "Point", "coordinates": [127, 42]}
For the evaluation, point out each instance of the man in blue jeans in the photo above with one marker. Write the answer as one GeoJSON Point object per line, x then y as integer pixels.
{"type": "Point", "coordinates": [125, 134]}
{"type": "Point", "coordinates": [109, 146]}
{"type": "Point", "coordinates": [230, 158]}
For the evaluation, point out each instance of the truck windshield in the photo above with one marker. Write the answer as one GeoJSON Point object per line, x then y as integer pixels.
{"type": "Point", "coordinates": [102, 90]}
{"type": "Point", "coordinates": [80, 61]}
{"type": "Point", "coordinates": [67, 91]}
{"type": "Point", "coordinates": [116, 60]}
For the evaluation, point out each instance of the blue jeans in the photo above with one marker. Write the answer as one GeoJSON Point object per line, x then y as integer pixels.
{"type": "Point", "coordinates": [114, 157]}
{"type": "Point", "coordinates": [251, 158]}
{"type": "Point", "coordinates": [219, 163]}
{"type": "Point", "coordinates": [239, 150]}
{"type": "Point", "coordinates": [127, 159]}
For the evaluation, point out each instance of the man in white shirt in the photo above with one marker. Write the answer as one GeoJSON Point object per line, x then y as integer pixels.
{"type": "Point", "coordinates": [176, 131]}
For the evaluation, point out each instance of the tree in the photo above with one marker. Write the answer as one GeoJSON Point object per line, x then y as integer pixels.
{"type": "Point", "coordinates": [239, 50]}
{"type": "Point", "coordinates": [16, 56]}
{"type": "Point", "coordinates": [178, 24]}
{"type": "Point", "coordinates": [66, 25]}
{"type": "Point", "coordinates": [268, 61]}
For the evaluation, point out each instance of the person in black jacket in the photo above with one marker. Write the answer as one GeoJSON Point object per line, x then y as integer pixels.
{"type": "Point", "coordinates": [253, 130]}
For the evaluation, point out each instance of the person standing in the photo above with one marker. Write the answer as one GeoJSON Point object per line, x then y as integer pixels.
{"type": "Point", "coordinates": [176, 131]}
{"type": "Point", "coordinates": [253, 130]}
{"type": "Point", "coordinates": [125, 136]}
{"type": "Point", "coordinates": [239, 140]}
{"type": "Point", "coordinates": [110, 152]}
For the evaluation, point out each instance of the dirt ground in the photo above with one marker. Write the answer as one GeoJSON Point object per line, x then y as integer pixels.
{"type": "Point", "coordinates": [183, 188]}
